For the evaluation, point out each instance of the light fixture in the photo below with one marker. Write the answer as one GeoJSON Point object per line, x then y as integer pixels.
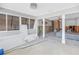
{"type": "Point", "coordinates": [33, 5]}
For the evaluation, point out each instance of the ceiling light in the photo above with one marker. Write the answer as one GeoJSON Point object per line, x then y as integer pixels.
{"type": "Point", "coordinates": [33, 5]}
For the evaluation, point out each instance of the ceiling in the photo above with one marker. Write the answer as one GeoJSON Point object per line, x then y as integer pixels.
{"type": "Point", "coordinates": [42, 8]}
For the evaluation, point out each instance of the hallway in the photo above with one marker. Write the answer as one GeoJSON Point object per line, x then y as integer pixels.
{"type": "Point", "coordinates": [52, 46]}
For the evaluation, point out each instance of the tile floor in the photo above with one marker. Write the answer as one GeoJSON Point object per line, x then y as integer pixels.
{"type": "Point", "coordinates": [52, 46]}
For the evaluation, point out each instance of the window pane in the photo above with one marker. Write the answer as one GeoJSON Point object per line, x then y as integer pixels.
{"type": "Point", "coordinates": [13, 23]}
{"type": "Point", "coordinates": [2, 22]}
{"type": "Point", "coordinates": [25, 21]}
{"type": "Point", "coordinates": [32, 21]}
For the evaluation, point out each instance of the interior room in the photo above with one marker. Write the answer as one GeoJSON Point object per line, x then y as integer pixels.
{"type": "Point", "coordinates": [39, 28]}
{"type": "Point", "coordinates": [53, 26]}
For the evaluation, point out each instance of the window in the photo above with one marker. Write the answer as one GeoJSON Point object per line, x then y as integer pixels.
{"type": "Point", "coordinates": [13, 23]}
{"type": "Point", "coordinates": [32, 21]}
{"type": "Point", "coordinates": [2, 22]}
{"type": "Point", "coordinates": [25, 21]}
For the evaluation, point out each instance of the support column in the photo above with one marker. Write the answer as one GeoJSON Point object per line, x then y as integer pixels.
{"type": "Point", "coordinates": [19, 21]}
{"type": "Point", "coordinates": [6, 22]}
{"type": "Point", "coordinates": [63, 29]}
{"type": "Point", "coordinates": [43, 28]}
{"type": "Point", "coordinates": [29, 23]}
{"type": "Point", "coordinates": [36, 27]}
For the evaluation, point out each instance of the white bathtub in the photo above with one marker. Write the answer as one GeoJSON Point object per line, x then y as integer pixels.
{"type": "Point", "coordinates": [11, 39]}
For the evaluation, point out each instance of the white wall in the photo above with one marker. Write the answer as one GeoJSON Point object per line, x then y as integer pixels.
{"type": "Point", "coordinates": [70, 22]}
{"type": "Point", "coordinates": [77, 21]}
{"type": "Point", "coordinates": [73, 22]}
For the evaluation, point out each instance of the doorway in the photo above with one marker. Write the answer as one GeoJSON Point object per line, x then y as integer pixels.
{"type": "Point", "coordinates": [53, 27]}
